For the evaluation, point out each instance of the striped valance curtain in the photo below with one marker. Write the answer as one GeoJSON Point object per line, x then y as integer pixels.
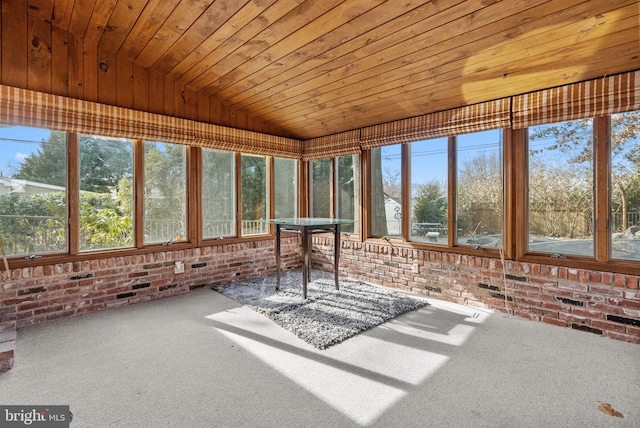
{"type": "Point", "coordinates": [474, 118]}
{"type": "Point", "coordinates": [223, 138]}
{"type": "Point", "coordinates": [41, 110]}
{"type": "Point", "coordinates": [343, 144]}
{"type": "Point", "coordinates": [605, 96]}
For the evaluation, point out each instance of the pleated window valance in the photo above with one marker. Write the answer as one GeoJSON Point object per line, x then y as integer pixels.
{"type": "Point", "coordinates": [605, 96]}
{"type": "Point", "coordinates": [343, 144]}
{"type": "Point", "coordinates": [232, 139]}
{"type": "Point", "coordinates": [474, 118]}
{"type": "Point", "coordinates": [41, 110]}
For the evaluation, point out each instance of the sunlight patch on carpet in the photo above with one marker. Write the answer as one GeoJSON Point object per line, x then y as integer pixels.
{"type": "Point", "coordinates": [360, 378]}
{"type": "Point", "coordinates": [328, 316]}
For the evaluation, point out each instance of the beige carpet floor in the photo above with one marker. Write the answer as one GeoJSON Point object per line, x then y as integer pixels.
{"type": "Point", "coordinates": [202, 360]}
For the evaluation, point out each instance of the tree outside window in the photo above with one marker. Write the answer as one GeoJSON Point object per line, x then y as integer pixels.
{"type": "Point", "coordinates": [429, 201]}
{"type": "Point", "coordinates": [320, 200]}
{"type": "Point", "coordinates": [254, 194]}
{"type": "Point", "coordinates": [106, 192]}
{"type": "Point", "coordinates": [625, 185]}
{"type": "Point", "coordinates": [286, 187]}
{"type": "Point", "coordinates": [561, 182]}
{"type": "Point", "coordinates": [480, 189]}
{"type": "Point", "coordinates": [165, 192]}
{"type": "Point", "coordinates": [33, 191]}
{"type": "Point", "coordinates": [218, 193]}
{"type": "Point", "coordinates": [347, 196]}
{"type": "Point", "coordinates": [386, 191]}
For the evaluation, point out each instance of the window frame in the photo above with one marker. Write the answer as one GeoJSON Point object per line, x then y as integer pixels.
{"type": "Point", "coordinates": [592, 186]}
{"type": "Point", "coordinates": [329, 199]}
{"type": "Point", "coordinates": [601, 260]}
{"type": "Point", "coordinates": [515, 202]}
{"type": "Point", "coordinates": [272, 186]}
{"type": "Point", "coordinates": [193, 203]}
{"type": "Point", "coordinates": [451, 246]}
{"type": "Point", "coordinates": [198, 157]}
{"type": "Point", "coordinates": [405, 204]}
{"type": "Point", "coordinates": [142, 195]}
{"type": "Point", "coordinates": [411, 236]}
{"type": "Point", "coordinates": [268, 189]}
{"type": "Point", "coordinates": [68, 195]}
{"type": "Point", "coordinates": [76, 216]}
{"type": "Point", "coordinates": [456, 189]}
{"type": "Point", "coordinates": [335, 194]}
{"type": "Point", "coordinates": [360, 169]}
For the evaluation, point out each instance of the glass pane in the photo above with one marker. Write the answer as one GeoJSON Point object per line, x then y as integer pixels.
{"type": "Point", "coordinates": [106, 192]}
{"type": "Point", "coordinates": [347, 198]}
{"type": "Point", "coordinates": [254, 194]}
{"type": "Point", "coordinates": [218, 193]}
{"type": "Point", "coordinates": [386, 191]}
{"type": "Point", "coordinates": [561, 188]}
{"type": "Point", "coordinates": [165, 192]}
{"type": "Point", "coordinates": [320, 188]}
{"type": "Point", "coordinates": [33, 190]}
{"type": "Point", "coordinates": [625, 186]}
{"type": "Point", "coordinates": [286, 187]}
{"type": "Point", "coordinates": [429, 196]}
{"type": "Point", "coordinates": [480, 189]}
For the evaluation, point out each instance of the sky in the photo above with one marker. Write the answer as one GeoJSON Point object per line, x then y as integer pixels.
{"type": "Point", "coordinates": [430, 157]}
{"type": "Point", "coordinates": [16, 143]}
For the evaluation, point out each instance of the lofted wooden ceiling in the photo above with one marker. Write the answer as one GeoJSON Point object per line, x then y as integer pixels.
{"type": "Point", "coordinates": [319, 67]}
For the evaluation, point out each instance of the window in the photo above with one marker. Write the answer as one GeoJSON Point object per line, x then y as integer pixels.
{"type": "Point", "coordinates": [106, 192]}
{"type": "Point", "coordinates": [625, 186]}
{"type": "Point", "coordinates": [320, 200]}
{"type": "Point", "coordinates": [286, 187]}
{"type": "Point", "coordinates": [560, 188]}
{"type": "Point", "coordinates": [429, 190]}
{"type": "Point", "coordinates": [165, 192]}
{"type": "Point", "coordinates": [218, 193]}
{"type": "Point", "coordinates": [33, 191]}
{"type": "Point", "coordinates": [347, 194]}
{"type": "Point", "coordinates": [254, 194]}
{"type": "Point", "coordinates": [480, 189]}
{"type": "Point", "coordinates": [386, 191]}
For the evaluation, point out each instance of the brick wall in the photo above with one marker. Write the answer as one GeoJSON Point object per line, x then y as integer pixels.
{"type": "Point", "coordinates": [43, 293]}
{"type": "Point", "coordinates": [602, 303]}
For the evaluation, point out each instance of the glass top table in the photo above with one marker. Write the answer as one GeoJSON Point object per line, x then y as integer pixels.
{"type": "Point", "coordinates": [309, 221]}
{"type": "Point", "coordinates": [307, 226]}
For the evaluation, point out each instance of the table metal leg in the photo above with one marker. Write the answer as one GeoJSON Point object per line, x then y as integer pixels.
{"type": "Point", "coordinates": [307, 246]}
{"type": "Point", "coordinates": [277, 257]}
{"type": "Point", "coordinates": [306, 261]}
{"type": "Point", "coordinates": [336, 254]}
{"type": "Point", "coordinates": [310, 253]}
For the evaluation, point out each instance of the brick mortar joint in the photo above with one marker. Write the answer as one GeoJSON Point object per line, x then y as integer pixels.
{"type": "Point", "coordinates": [531, 270]}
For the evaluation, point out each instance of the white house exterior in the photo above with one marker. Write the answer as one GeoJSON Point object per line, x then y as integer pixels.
{"type": "Point", "coordinates": [10, 186]}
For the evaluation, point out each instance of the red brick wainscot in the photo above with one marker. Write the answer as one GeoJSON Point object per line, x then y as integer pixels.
{"type": "Point", "coordinates": [602, 303]}
{"type": "Point", "coordinates": [38, 294]}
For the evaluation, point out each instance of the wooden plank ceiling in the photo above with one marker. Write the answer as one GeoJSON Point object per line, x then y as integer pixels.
{"type": "Point", "coordinates": [319, 67]}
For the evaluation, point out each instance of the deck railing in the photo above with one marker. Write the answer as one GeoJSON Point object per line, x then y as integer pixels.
{"type": "Point", "coordinates": [46, 234]}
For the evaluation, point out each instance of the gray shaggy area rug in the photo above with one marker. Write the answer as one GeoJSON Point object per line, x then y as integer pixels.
{"type": "Point", "coordinates": [328, 316]}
